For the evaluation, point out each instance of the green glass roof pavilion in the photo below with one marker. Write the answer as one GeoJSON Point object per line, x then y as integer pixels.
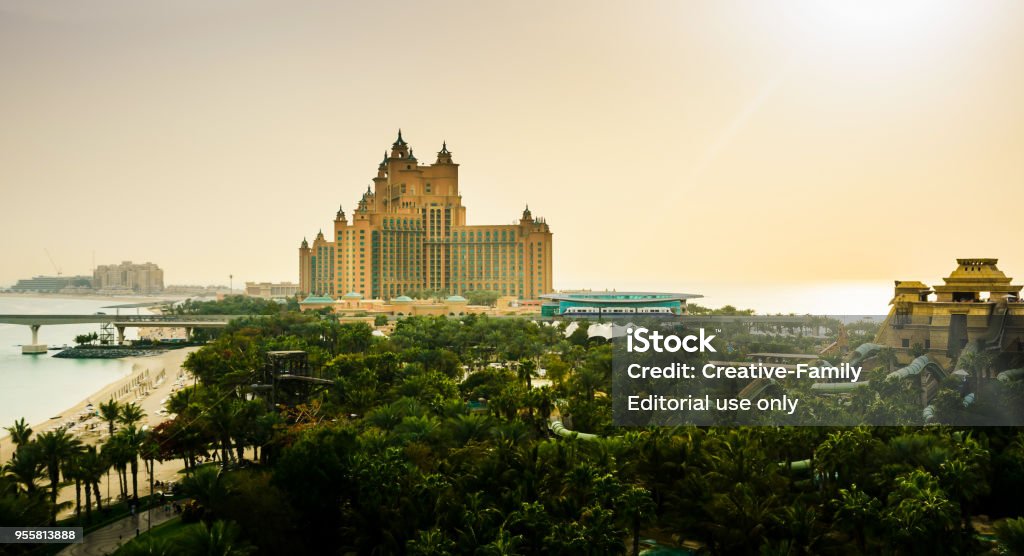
{"type": "Point", "coordinates": [560, 302]}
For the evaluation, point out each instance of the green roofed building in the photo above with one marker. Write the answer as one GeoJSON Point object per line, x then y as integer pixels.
{"type": "Point", "coordinates": [594, 304]}
{"type": "Point", "coordinates": [315, 302]}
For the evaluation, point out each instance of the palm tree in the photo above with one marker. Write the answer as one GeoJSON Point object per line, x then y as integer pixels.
{"type": "Point", "coordinates": [533, 523]}
{"type": "Point", "coordinates": [56, 447]}
{"type": "Point", "coordinates": [918, 513]}
{"type": "Point", "coordinates": [525, 370]}
{"type": "Point", "coordinates": [963, 477]}
{"type": "Point", "coordinates": [117, 452]}
{"type": "Point", "coordinates": [801, 527]}
{"type": "Point", "coordinates": [577, 485]}
{"type": "Point", "coordinates": [91, 466]}
{"type": "Point", "coordinates": [220, 539]}
{"type": "Point", "coordinates": [132, 439]}
{"type": "Point", "coordinates": [20, 432]}
{"type": "Point", "coordinates": [149, 450]}
{"type": "Point", "coordinates": [588, 380]}
{"type": "Point", "coordinates": [70, 470]}
{"type": "Point", "coordinates": [599, 529]}
{"type": "Point", "coordinates": [207, 487]}
{"type": "Point", "coordinates": [22, 507]}
{"type": "Point", "coordinates": [432, 542]}
{"type": "Point", "coordinates": [637, 507]}
{"type": "Point", "coordinates": [26, 466]}
{"type": "Point", "coordinates": [504, 544]}
{"type": "Point", "coordinates": [466, 428]}
{"type": "Point", "coordinates": [149, 546]}
{"type": "Point", "coordinates": [131, 414]}
{"type": "Point", "coordinates": [858, 513]}
{"type": "Point", "coordinates": [845, 456]}
{"type": "Point", "coordinates": [110, 412]}
{"type": "Point", "coordinates": [1010, 533]}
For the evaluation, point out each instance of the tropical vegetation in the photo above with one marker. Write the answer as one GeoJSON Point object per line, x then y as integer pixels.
{"type": "Point", "coordinates": [436, 440]}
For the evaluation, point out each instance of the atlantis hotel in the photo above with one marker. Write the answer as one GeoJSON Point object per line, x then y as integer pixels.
{"type": "Point", "coordinates": [409, 232]}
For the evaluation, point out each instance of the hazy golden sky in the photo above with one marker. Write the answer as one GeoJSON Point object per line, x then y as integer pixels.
{"type": "Point", "coordinates": [671, 145]}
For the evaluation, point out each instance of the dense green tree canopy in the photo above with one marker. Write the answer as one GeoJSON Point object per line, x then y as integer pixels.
{"type": "Point", "coordinates": [435, 440]}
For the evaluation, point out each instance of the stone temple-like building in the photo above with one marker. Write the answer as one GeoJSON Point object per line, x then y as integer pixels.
{"type": "Point", "coordinates": [977, 304]}
{"type": "Point", "coordinates": [409, 232]}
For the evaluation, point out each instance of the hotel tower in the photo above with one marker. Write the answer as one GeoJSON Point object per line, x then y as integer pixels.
{"type": "Point", "coordinates": [409, 232]}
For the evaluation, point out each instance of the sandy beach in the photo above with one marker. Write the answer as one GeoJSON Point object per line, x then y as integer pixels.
{"type": "Point", "coordinates": [113, 299]}
{"type": "Point", "coordinates": [152, 380]}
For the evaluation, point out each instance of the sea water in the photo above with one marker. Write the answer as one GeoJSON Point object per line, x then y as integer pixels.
{"type": "Point", "coordinates": [38, 387]}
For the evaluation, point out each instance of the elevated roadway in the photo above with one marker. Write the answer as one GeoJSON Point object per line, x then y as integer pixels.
{"type": "Point", "coordinates": [120, 322]}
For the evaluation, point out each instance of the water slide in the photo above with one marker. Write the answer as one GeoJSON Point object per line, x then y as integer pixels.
{"type": "Point", "coordinates": [837, 387]}
{"type": "Point", "coordinates": [915, 367]}
{"type": "Point", "coordinates": [756, 387]}
{"type": "Point", "coordinates": [863, 352]}
{"type": "Point", "coordinates": [929, 410]}
{"type": "Point", "coordinates": [993, 338]}
{"type": "Point", "coordinates": [1011, 374]}
{"type": "Point", "coordinates": [559, 429]}
{"type": "Point", "coordinates": [798, 465]}
{"type": "Point", "coordinates": [968, 349]}
{"type": "Point", "coordinates": [556, 426]}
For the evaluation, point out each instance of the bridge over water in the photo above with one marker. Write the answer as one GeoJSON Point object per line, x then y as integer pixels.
{"type": "Point", "coordinates": [120, 322]}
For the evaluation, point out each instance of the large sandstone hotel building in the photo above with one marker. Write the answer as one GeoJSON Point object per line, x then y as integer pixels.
{"type": "Point", "coordinates": [409, 232]}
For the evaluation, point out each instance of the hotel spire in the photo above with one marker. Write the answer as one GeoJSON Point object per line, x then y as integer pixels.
{"type": "Point", "coordinates": [399, 149]}
{"type": "Point", "coordinates": [444, 156]}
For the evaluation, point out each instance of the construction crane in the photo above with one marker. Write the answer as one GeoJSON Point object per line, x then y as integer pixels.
{"type": "Point", "coordinates": [55, 267]}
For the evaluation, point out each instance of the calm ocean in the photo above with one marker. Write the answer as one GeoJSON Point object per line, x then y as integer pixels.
{"type": "Point", "coordinates": [38, 387]}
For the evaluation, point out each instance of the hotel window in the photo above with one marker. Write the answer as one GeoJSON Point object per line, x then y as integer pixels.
{"type": "Point", "coordinates": [905, 342]}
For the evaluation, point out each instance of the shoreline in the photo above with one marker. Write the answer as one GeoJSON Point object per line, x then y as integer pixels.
{"type": "Point", "coordinates": [151, 380]}
{"type": "Point", "coordinates": [95, 297]}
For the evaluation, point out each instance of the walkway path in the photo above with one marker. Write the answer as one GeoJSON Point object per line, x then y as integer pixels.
{"type": "Point", "coordinates": [108, 539]}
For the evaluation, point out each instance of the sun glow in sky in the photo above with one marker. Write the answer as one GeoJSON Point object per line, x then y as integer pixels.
{"type": "Point", "coordinates": [669, 144]}
{"type": "Point", "coordinates": [863, 22]}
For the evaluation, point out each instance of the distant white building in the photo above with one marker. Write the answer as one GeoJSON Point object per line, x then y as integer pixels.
{"type": "Point", "coordinates": [270, 290]}
{"type": "Point", "coordinates": [128, 277]}
{"type": "Point", "coordinates": [50, 284]}
{"type": "Point", "coordinates": [195, 290]}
